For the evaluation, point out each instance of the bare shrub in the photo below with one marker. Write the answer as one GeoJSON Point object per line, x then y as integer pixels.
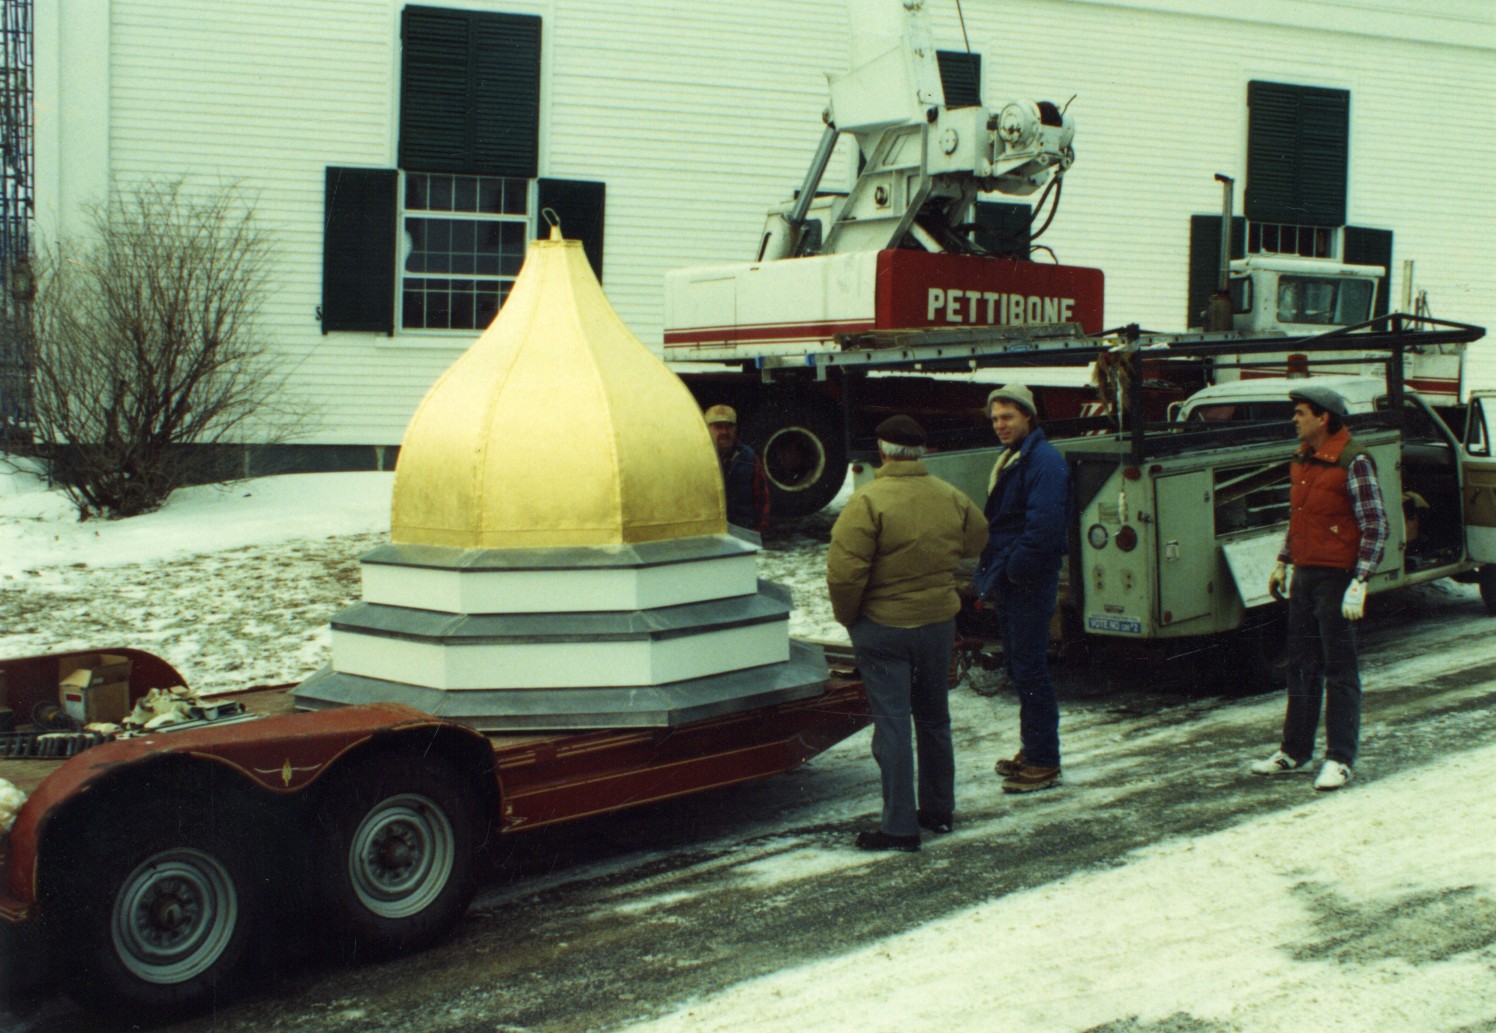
{"type": "Point", "coordinates": [147, 349]}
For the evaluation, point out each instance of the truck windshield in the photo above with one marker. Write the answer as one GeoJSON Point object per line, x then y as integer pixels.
{"type": "Point", "coordinates": [1325, 301]}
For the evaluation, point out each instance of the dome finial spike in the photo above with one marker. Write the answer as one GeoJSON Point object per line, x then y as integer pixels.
{"type": "Point", "coordinates": [550, 216]}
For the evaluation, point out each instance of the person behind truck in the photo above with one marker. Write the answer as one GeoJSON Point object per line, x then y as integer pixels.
{"type": "Point", "coordinates": [1027, 504]}
{"type": "Point", "coordinates": [890, 572]}
{"type": "Point", "coordinates": [743, 475]}
{"type": "Point", "coordinates": [1337, 527]}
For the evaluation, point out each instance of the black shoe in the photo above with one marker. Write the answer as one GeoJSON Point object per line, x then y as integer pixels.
{"type": "Point", "coordinates": [880, 840]}
{"type": "Point", "coordinates": [941, 823]}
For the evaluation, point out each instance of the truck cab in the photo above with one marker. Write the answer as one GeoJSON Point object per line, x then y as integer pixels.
{"type": "Point", "coordinates": [1300, 296]}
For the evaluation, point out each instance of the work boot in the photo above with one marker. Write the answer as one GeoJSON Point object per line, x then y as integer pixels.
{"type": "Point", "coordinates": [1279, 763]}
{"type": "Point", "coordinates": [880, 840]}
{"type": "Point", "coordinates": [1011, 767]}
{"type": "Point", "coordinates": [935, 822]}
{"type": "Point", "coordinates": [1332, 776]}
{"type": "Point", "coordinates": [1030, 777]}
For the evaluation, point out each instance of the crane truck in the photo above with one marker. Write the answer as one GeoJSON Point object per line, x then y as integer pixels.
{"type": "Point", "coordinates": [899, 250]}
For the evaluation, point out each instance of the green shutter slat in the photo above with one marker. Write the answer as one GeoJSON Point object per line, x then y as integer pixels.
{"type": "Point", "coordinates": [470, 92]}
{"type": "Point", "coordinates": [358, 250]}
{"type": "Point", "coordinates": [961, 77]}
{"type": "Point", "coordinates": [506, 94]}
{"type": "Point", "coordinates": [1366, 246]}
{"type": "Point", "coordinates": [1296, 154]}
{"type": "Point", "coordinates": [433, 89]}
{"type": "Point", "coordinates": [1205, 260]}
{"type": "Point", "coordinates": [580, 204]}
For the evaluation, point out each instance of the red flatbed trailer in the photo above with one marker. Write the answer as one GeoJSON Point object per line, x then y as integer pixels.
{"type": "Point", "coordinates": [149, 862]}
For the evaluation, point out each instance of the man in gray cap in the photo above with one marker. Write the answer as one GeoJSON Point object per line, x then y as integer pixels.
{"type": "Point", "coordinates": [1337, 528]}
{"type": "Point", "coordinates": [1027, 504]}
{"type": "Point", "coordinates": [890, 572]}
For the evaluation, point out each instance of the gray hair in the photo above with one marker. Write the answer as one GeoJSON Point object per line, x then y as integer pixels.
{"type": "Point", "coordinates": [892, 451]}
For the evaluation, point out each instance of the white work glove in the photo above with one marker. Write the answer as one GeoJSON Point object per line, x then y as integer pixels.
{"type": "Point", "coordinates": [1277, 581]}
{"type": "Point", "coordinates": [1353, 606]}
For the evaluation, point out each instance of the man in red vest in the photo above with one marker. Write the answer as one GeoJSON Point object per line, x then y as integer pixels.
{"type": "Point", "coordinates": [1337, 527]}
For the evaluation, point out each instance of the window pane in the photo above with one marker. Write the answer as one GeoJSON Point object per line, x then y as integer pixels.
{"type": "Point", "coordinates": [490, 195]}
{"type": "Point", "coordinates": [414, 309]}
{"type": "Point", "coordinates": [441, 193]}
{"type": "Point", "coordinates": [464, 194]}
{"type": "Point", "coordinates": [415, 245]}
{"type": "Point", "coordinates": [462, 305]}
{"type": "Point", "coordinates": [415, 190]}
{"type": "Point", "coordinates": [487, 303]}
{"type": "Point", "coordinates": [438, 305]}
{"type": "Point", "coordinates": [438, 234]}
{"type": "Point", "coordinates": [462, 236]}
{"type": "Point", "coordinates": [516, 196]}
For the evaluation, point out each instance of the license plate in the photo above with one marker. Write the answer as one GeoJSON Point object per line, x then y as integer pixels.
{"type": "Point", "coordinates": [1115, 625]}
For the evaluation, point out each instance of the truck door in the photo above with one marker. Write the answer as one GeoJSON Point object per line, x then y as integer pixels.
{"type": "Point", "coordinates": [1478, 477]}
{"type": "Point", "coordinates": [1186, 546]}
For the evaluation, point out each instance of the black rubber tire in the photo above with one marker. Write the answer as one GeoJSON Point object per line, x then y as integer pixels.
{"type": "Point", "coordinates": [160, 904]}
{"type": "Point", "coordinates": [800, 440]}
{"type": "Point", "coordinates": [395, 852]}
{"type": "Point", "coordinates": [1486, 578]}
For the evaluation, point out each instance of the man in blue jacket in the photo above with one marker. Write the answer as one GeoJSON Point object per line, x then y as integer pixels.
{"type": "Point", "coordinates": [1019, 572]}
{"type": "Point", "coordinates": [743, 476]}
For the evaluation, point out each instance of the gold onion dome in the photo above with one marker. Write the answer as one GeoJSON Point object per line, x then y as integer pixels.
{"type": "Point", "coordinates": [556, 428]}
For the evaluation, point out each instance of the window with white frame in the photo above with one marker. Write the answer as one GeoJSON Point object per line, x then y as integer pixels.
{"type": "Point", "coordinates": [463, 243]}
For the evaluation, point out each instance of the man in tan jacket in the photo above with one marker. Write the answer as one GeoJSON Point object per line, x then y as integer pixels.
{"type": "Point", "coordinates": [891, 575]}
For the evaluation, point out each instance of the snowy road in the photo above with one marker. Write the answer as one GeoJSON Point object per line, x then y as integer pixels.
{"type": "Point", "coordinates": [1162, 890]}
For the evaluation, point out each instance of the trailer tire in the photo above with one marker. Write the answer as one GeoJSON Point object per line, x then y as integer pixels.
{"type": "Point", "coordinates": [395, 853]}
{"type": "Point", "coordinates": [799, 440]}
{"type": "Point", "coordinates": [1486, 578]}
{"type": "Point", "coordinates": [154, 921]}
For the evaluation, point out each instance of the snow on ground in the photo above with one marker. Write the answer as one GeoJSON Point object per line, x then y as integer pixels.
{"type": "Point", "coordinates": [1370, 910]}
{"type": "Point", "coordinates": [1319, 917]}
{"type": "Point", "coordinates": [39, 527]}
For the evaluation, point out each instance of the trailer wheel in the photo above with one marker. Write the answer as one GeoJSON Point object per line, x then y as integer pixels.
{"type": "Point", "coordinates": [800, 442]}
{"type": "Point", "coordinates": [1486, 577]}
{"type": "Point", "coordinates": [395, 854]}
{"type": "Point", "coordinates": [156, 917]}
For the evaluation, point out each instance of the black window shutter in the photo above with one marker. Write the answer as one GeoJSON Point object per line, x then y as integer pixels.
{"type": "Point", "coordinates": [1002, 228]}
{"type": "Point", "coordinates": [580, 205]}
{"type": "Point", "coordinates": [469, 92]}
{"type": "Point", "coordinates": [1364, 246]}
{"type": "Point", "coordinates": [506, 94]}
{"type": "Point", "coordinates": [961, 77]}
{"type": "Point", "coordinates": [1205, 260]}
{"type": "Point", "coordinates": [358, 250]}
{"type": "Point", "coordinates": [1296, 154]}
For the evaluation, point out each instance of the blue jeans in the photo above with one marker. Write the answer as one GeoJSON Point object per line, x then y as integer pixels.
{"type": "Point", "coordinates": [907, 674]}
{"type": "Point", "coordinates": [1023, 614]}
{"type": "Point", "coordinates": [1321, 666]}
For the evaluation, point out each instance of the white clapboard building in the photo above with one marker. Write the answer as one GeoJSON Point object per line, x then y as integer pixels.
{"type": "Point", "coordinates": [400, 154]}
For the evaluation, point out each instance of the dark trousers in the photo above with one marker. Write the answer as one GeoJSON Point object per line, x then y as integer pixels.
{"type": "Point", "coordinates": [1024, 617]}
{"type": "Point", "coordinates": [1321, 666]}
{"type": "Point", "coordinates": [907, 674]}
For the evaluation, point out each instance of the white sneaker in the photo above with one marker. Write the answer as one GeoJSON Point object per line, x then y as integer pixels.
{"type": "Point", "coordinates": [1279, 763]}
{"type": "Point", "coordinates": [1332, 776]}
